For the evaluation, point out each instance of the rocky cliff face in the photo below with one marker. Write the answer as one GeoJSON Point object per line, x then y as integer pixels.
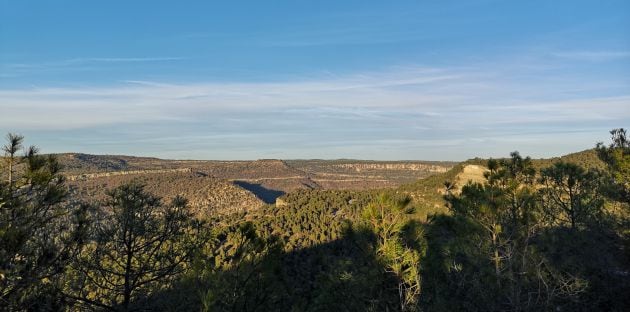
{"type": "Point", "coordinates": [358, 167]}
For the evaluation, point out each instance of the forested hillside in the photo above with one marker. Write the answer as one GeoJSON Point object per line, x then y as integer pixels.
{"type": "Point", "coordinates": [206, 195]}
{"type": "Point", "coordinates": [428, 193]}
{"type": "Point", "coordinates": [511, 234]}
{"type": "Point", "coordinates": [266, 178]}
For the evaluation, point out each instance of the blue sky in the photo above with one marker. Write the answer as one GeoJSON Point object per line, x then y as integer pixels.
{"type": "Point", "coordinates": [439, 80]}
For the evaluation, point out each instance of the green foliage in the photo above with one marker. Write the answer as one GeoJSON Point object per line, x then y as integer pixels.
{"type": "Point", "coordinates": [617, 158]}
{"type": "Point", "coordinates": [534, 235]}
{"type": "Point", "coordinates": [427, 192]}
{"type": "Point", "coordinates": [311, 217]}
{"type": "Point", "coordinates": [571, 194]}
{"type": "Point", "coordinates": [520, 243]}
{"type": "Point", "coordinates": [242, 273]}
{"type": "Point", "coordinates": [136, 246]}
{"type": "Point", "coordinates": [504, 215]}
{"type": "Point", "coordinates": [332, 263]}
{"type": "Point", "coordinates": [458, 273]}
{"type": "Point", "coordinates": [399, 244]}
{"type": "Point", "coordinates": [39, 233]}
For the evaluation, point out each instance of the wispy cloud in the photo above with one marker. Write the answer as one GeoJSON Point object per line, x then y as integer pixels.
{"type": "Point", "coordinates": [126, 59]}
{"type": "Point", "coordinates": [349, 114]}
{"type": "Point", "coordinates": [84, 60]}
{"type": "Point", "coordinates": [80, 63]}
{"type": "Point", "coordinates": [593, 56]}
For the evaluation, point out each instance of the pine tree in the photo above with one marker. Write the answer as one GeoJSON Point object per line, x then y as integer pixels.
{"type": "Point", "coordinates": [617, 158]}
{"type": "Point", "coordinates": [137, 246]}
{"type": "Point", "coordinates": [571, 194]}
{"type": "Point", "coordinates": [399, 245]}
{"type": "Point", "coordinates": [39, 231]}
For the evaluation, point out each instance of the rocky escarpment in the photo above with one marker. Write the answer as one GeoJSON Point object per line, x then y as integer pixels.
{"type": "Point", "coordinates": [86, 176]}
{"type": "Point", "coordinates": [366, 174]}
{"type": "Point", "coordinates": [358, 167]}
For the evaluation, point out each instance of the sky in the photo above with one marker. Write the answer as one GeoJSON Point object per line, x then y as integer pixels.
{"type": "Point", "coordinates": [383, 80]}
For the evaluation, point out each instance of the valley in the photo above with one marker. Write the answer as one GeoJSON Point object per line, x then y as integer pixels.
{"type": "Point", "coordinates": [228, 186]}
{"type": "Point", "coordinates": [286, 234]}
